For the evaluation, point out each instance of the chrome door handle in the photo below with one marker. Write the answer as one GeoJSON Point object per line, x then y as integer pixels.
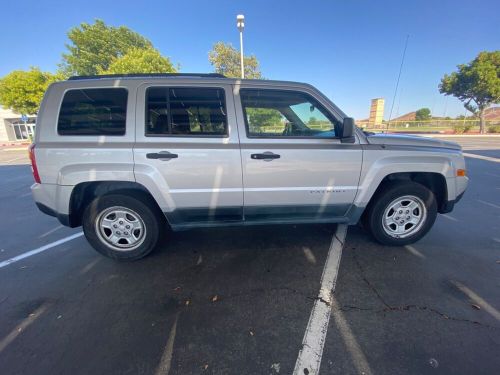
{"type": "Point", "coordinates": [162, 155]}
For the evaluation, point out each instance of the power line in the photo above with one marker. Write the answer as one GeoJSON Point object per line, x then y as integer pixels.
{"type": "Point", "coordinates": [399, 76]}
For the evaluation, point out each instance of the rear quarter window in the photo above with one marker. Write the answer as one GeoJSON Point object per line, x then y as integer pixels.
{"type": "Point", "coordinates": [93, 112]}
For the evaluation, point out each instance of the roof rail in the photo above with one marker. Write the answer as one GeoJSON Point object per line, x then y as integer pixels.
{"type": "Point", "coordinates": [148, 75]}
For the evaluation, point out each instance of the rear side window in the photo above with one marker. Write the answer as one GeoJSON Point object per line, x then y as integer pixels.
{"type": "Point", "coordinates": [93, 112]}
{"type": "Point", "coordinates": [185, 111]}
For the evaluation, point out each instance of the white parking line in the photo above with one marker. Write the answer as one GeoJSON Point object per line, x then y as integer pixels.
{"type": "Point", "coordinates": [488, 158]}
{"type": "Point", "coordinates": [488, 203]}
{"type": "Point", "coordinates": [492, 174]}
{"type": "Point", "coordinates": [414, 251]}
{"type": "Point", "coordinates": [15, 159]}
{"type": "Point", "coordinates": [166, 358]}
{"type": "Point", "coordinates": [40, 249]}
{"type": "Point", "coordinates": [309, 359]}
{"type": "Point", "coordinates": [449, 217]}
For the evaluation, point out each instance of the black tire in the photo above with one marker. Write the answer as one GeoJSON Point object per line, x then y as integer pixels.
{"type": "Point", "coordinates": [390, 192]}
{"type": "Point", "coordinates": [149, 218]}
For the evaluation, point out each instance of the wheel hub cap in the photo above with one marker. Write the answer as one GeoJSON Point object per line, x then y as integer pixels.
{"type": "Point", "coordinates": [404, 216]}
{"type": "Point", "coordinates": [120, 228]}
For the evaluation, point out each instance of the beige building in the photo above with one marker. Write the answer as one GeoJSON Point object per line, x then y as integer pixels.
{"type": "Point", "coordinates": [377, 111]}
{"type": "Point", "coordinates": [13, 128]}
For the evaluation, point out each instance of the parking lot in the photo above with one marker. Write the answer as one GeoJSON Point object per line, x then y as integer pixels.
{"type": "Point", "coordinates": [239, 300]}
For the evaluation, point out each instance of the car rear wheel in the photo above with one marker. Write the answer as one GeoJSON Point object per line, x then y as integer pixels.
{"type": "Point", "coordinates": [402, 213]}
{"type": "Point", "coordinates": [122, 227]}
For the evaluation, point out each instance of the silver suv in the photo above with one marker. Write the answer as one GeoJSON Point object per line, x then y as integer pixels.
{"type": "Point", "coordinates": [129, 156]}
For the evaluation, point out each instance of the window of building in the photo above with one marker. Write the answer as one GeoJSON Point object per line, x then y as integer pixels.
{"type": "Point", "coordinates": [185, 111]}
{"type": "Point", "coordinates": [276, 113]}
{"type": "Point", "coordinates": [93, 112]}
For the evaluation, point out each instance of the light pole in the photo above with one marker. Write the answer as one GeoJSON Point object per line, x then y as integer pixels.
{"type": "Point", "coordinates": [240, 23]}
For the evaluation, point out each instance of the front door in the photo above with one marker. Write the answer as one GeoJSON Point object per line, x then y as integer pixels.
{"type": "Point", "coordinates": [187, 148]}
{"type": "Point", "coordinates": [294, 166]}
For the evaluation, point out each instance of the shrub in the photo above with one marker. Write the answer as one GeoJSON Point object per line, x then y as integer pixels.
{"type": "Point", "coordinates": [494, 129]}
{"type": "Point", "coordinates": [461, 129]}
{"type": "Point", "coordinates": [467, 128]}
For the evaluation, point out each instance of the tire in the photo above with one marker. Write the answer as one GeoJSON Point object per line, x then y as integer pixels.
{"type": "Point", "coordinates": [401, 214]}
{"type": "Point", "coordinates": [122, 227]}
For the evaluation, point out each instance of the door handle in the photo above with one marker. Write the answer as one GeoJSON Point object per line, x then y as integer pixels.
{"type": "Point", "coordinates": [266, 156]}
{"type": "Point", "coordinates": [162, 155]}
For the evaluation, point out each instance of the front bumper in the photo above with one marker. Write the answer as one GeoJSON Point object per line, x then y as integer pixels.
{"type": "Point", "coordinates": [449, 205]}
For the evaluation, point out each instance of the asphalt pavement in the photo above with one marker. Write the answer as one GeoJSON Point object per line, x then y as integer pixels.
{"type": "Point", "coordinates": [238, 300]}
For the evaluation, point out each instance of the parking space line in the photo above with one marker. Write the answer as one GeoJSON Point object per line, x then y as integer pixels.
{"type": "Point", "coordinates": [488, 203]}
{"type": "Point", "coordinates": [491, 174]}
{"type": "Point", "coordinates": [22, 326]}
{"type": "Point", "coordinates": [15, 159]}
{"type": "Point", "coordinates": [414, 251]}
{"type": "Point", "coordinates": [166, 358]}
{"type": "Point", "coordinates": [449, 217]}
{"type": "Point", "coordinates": [309, 358]}
{"type": "Point", "coordinates": [51, 231]}
{"type": "Point", "coordinates": [487, 158]}
{"type": "Point", "coordinates": [474, 297]}
{"type": "Point", "coordinates": [40, 249]}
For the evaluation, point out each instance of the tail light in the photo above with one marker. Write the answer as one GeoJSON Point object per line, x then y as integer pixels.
{"type": "Point", "coordinates": [34, 168]}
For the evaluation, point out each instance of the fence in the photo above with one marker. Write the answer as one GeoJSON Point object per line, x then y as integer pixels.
{"type": "Point", "coordinates": [433, 126]}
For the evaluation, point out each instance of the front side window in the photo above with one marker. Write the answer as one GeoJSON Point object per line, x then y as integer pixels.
{"type": "Point", "coordinates": [185, 111]}
{"type": "Point", "coordinates": [275, 113]}
{"type": "Point", "coordinates": [93, 112]}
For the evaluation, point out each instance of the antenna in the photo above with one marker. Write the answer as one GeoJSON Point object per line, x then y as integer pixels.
{"type": "Point", "coordinates": [397, 82]}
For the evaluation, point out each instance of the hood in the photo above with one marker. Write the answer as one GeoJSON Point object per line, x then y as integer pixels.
{"type": "Point", "coordinates": [410, 140]}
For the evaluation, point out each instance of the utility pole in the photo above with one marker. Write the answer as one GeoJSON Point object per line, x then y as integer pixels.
{"type": "Point", "coordinates": [240, 23]}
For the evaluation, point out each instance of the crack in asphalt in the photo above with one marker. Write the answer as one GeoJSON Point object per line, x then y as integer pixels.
{"type": "Point", "coordinates": [404, 308]}
{"type": "Point", "coordinates": [401, 308]}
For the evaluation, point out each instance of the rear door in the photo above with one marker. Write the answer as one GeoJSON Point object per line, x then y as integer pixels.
{"type": "Point", "coordinates": [294, 166]}
{"type": "Point", "coordinates": [187, 151]}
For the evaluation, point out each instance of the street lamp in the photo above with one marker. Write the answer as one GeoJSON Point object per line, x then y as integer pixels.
{"type": "Point", "coordinates": [240, 23]}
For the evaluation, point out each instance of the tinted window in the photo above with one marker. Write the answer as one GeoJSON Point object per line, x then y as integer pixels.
{"type": "Point", "coordinates": [185, 111]}
{"type": "Point", "coordinates": [93, 112]}
{"type": "Point", "coordinates": [285, 113]}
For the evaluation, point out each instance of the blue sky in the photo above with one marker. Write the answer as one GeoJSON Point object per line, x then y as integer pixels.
{"type": "Point", "coordinates": [351, 50]}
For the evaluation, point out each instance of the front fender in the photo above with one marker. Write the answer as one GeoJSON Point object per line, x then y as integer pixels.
{"type": "Point", "coordinates": [376, 168]}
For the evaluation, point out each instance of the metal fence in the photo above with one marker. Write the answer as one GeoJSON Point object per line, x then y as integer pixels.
{"type": "Point", "coordinates": [433, 126]}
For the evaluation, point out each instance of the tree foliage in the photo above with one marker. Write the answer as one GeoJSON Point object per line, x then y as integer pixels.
{"type": "Point", "coordinates": [138, 60]}
{"type": "Point", "coordinates": [476, 84]}
{"type": "Point", "coordinates": [22, 91]}
{"type": "Point", "coordinates": [226, 60]}
{"type": "Point", "coordinates": [96, 46]}
{"type": "Point", "coordinates": [423, 114]}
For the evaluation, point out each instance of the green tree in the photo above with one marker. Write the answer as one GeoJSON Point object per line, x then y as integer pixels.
{"type": "Point", "coordinates": [138, 60]}
{"type": "Point", "coordinates": [476, 84]}
{"type": "Point", "coordinates": [94, 47]}
{"type": "Point", "coordinates": [423, 114]}
{"type": "Point", "coordinates": [226, 60]}
{"type": "Point", "coordinates": [22, 91]}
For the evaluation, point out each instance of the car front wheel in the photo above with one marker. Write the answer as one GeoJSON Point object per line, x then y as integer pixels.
{"type": "Point", "coordinates": [402, 213]}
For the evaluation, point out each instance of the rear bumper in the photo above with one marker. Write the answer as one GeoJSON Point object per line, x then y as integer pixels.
{"type": "Point", "coordinates": [53, 200]}
{"type": "Point", "coordinates": [63, 219]}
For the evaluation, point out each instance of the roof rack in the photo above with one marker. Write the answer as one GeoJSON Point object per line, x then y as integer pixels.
{"type": "Point", "coordinates": [148, 75]}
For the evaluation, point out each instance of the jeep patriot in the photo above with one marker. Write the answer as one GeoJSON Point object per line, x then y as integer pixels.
{"type": "Point", "coordinates": [128, 156]}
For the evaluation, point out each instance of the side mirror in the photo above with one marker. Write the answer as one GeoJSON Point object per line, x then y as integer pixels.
{"type": "Point", "coordinates": [347, 132]}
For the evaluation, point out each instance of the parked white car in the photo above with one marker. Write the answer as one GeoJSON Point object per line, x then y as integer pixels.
{"type": "Point", "coordinates": [128, 156]}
